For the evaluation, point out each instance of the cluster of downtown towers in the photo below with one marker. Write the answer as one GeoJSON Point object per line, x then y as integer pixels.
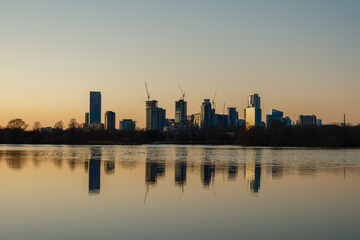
{"type": "Point", "coordinates": [156, 116]}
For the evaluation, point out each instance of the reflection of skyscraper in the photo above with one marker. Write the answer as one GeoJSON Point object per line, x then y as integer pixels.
{"type": "Point", "coordinates": [94, 171]}
{"type": "Point", "coordinates": [207, 169]}
{"type": "Point", "coordinates": [154, 169]}
{"type": "Point", "coordinates": [207, 172]}
{"type": "Point", "coordinates": [253, 170]}
{"type": "Point", "coordinates": [180, 166]}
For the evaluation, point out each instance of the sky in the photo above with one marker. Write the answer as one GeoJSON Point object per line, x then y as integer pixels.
{"type": "Point", "coordinates": [302, 57]}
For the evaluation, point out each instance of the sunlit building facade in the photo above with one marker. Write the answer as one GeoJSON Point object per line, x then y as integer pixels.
{"type": "Point", "coordinates": [253, 112]}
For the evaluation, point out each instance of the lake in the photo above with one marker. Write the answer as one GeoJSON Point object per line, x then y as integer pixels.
{"type": "Point", "coordinates": [178, 192]}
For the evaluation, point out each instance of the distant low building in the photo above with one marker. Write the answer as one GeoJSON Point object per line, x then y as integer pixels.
{"type": "Point", "coordinates": [47, 129]}
{"type": "Point", "coordinates": [110, 121]}
{"type": "Point", "coordinates": [96, 126]}
{"type": "Point", "coordinates": [318, 122]}
{"type": "Point", "coordinates": [306, 120]}
{"type": "Point", "coordinates": [286, 122]}
{"type": "Point", "coordinates": [240, 122]}
{"type": "Point", "coordinates": [87, 119]}
{"type": "Point", "coordinates": [127, 125]}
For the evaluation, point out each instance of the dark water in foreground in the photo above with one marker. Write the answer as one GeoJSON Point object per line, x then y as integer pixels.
{"type": "Point", "coordinates": [178, 192]}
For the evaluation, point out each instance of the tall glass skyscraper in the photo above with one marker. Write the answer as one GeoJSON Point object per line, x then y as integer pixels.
{"type": "Point", "coordinates": [180, 112]}
{"type": "Point", "coordinates": [253, 111]}
{"type": "Point", "coordinates": [95, 107]}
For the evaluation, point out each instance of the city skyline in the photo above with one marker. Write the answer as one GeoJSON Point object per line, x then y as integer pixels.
{"type": "Point", "coordinates": [301, 57]}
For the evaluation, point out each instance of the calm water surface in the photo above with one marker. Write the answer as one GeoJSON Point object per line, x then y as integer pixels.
{"type": "Point", "coordinates": [178, 192]}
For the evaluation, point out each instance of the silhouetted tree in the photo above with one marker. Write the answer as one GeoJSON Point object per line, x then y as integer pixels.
{"type": "Point", "coordinates": [17, 124]}
{"type": "Point", "coordinates": [73, 124]}
{"type": "Point", "coordinates": [37, 126]}
{"type": "Point", "coordinates": [59, 125]}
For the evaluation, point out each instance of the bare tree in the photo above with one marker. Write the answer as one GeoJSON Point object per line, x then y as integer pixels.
{"type": "Point", "coordinates": [37, 126]}
{"type": "Point", "coordinates": [59, 125]}
{"type": "Point", "coordinates": [73, 124]}
{"type": "Point", "coordinates": [17, 123]}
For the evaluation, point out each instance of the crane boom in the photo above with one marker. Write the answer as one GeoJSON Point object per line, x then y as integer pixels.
{"type": "Point", "coordinates": [147, 92]}
{"type": "Point", "coordinates": [213, 100]}
{"type": "Point", "coordinates": [182, 92]}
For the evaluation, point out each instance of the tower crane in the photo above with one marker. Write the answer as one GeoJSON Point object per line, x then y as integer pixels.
{"type": "Point", "coordinates": [213, 100]}
{"type": "Point", "coordinates": [182, 92]}
{"type": "Point", "coordinates": [147, 92]}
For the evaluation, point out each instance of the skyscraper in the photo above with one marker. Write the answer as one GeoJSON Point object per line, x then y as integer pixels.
{"type": "Point", "coordinates": [110, 121]}
{"type": "Point", "coordinates": [95, 107]}
{"type": "Point", "coordinates": [152, 115]}
{"type": "Point", "coordinates": [180, 112]}
{"type": "Point", "coordinates": [232, 117]}
{"type": "Point", "coordinates": [87, 119]}
{"type": "Point", "coordinates": [155, 116]}
{"type": "Point", "coordinates": [275, 115]}
{"type": "Point", "coordinates": [306, 120]}
{"type": "Point", "coordinates": [253, 111]}
{"type": "Point", "coordinates": [206, 114]}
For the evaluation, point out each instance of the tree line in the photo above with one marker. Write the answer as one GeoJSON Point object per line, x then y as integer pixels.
{"type": "Point", "coordinates": [329, 136]}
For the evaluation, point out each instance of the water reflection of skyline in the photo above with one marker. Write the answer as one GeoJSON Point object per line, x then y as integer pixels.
{"type": "Point", "coordinates": [94, 171]}
{"type": "Point", "coordinates": [253, 170]}
{"type": "Point", "coordinates": [179, 162]}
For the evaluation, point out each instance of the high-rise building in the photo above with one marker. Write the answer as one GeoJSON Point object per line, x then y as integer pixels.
{"type": "Point", "coordinates": [162, 119]}
{"type": "Point", "coordinates": [152, 115]}
{"type": "Point", "coordinates": [180, 112]}
{"type": "Point", "coordinates": [95, 107]}
{"type": "Point", "coordinates": [275, 115]}
{"type": "Point", "coordinates": [110, 121]}
{"type": "Point", "coordinates": [253, 112]}
{"type": "Point", "coordinates": [233, 117]}
{"type": "Point", "coordinates": [206, 118]}
{"type": "Point", "coordinates": [155, 116]}
{"type": "Point", "coordinates": [127, 125]}
{"type": "Point", "coordinates": [306, 120]}
{"type": "Point", "coordinates": [87, 119]}
{"type": "Point", "coordinates": [254, 101]}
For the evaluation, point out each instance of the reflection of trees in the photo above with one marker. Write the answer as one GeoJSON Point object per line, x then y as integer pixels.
{"type": "Point", "coordinates": [15, 159]}
{"type": "Point", "coordinates": [109, 167]}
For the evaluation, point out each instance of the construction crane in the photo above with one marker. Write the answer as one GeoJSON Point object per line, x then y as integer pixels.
{"type": "Point", "coordinates": [147, 92]}
{"type": "Point", "coordinates": [213, 100]}
{"type": "Point", "coordinates": [182, 92]}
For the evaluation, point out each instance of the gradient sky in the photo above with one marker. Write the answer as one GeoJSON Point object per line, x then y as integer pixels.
{"type": "Point", "coordinates": [302, 57]}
